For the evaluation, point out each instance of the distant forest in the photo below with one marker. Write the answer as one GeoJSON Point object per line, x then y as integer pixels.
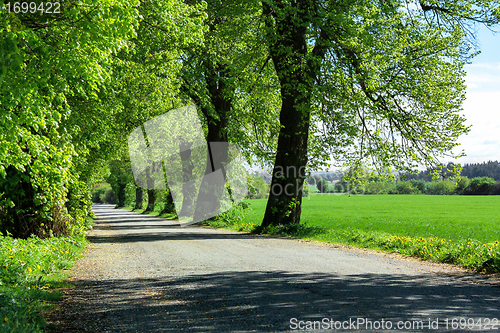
{"type": "Point", "coordinates": [485, 169]}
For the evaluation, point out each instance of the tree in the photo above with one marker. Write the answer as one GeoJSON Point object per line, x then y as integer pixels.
{"type": "Point", "coordinates": [480, 186]}
{"type": "Point", "coordinates": [45, 61]}
{"type": "Point", "coordinates": [385, 79]}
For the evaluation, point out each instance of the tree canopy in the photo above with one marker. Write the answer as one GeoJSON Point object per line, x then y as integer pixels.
{"type": "Point", "coordinates": [294, 83]}
{"type": "Point", "coordinates": [384, 79]}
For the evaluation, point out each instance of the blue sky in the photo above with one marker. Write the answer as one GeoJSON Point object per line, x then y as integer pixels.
{"type": "Point", "coordinates": [482, 107]}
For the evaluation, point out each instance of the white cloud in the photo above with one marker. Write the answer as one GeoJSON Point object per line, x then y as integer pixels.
{"type": "Point", "coordinates": [482, 111]}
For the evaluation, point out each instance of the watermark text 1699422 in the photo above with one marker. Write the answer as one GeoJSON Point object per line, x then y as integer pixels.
{"type": "Point", "coordinates": [33, 7]}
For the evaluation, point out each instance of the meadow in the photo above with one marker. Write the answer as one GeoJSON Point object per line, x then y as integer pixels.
{"type": "Point", "coordinates": [444, 216]}
{"type": "Point", "coordinates": [462, 230]}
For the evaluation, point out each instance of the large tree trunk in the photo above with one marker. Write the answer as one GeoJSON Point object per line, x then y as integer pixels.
{"type": "Point", "coordinates": [138, 198]}
{"type": "Point", "coordinates": [297, 70]}
{"type": "Point", "coordinates": [285, 197]}
{"type": "Point", "coordinates": [151, 200]}
{"type": "Point", "coordinates": [210, 193]}
{"type": "Point", "coordinates": [188, 189]}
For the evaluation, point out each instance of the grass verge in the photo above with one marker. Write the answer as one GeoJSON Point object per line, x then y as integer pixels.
{"type": "Point", "coordinates": [30, 271]}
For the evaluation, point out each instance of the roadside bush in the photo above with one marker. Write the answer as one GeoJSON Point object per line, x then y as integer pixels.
{"type": "Point", "coordinates": [290, 230]}
{"type": "Point", "coordinates": [165, 202]}
{"type": "Point", "coordinates": [406, 187]}
{"type": "Point", "coordinates": [420, 185]}
{"type": "Point", "coordinates": [443, 187]}
{"type": "Point", "coordinates": [257, 187]}
{"type": "Point", "coordinates": [79, 207]}
{"type": "Point", "coordinates": [103, 194]}
{"type": "Point", "coordinates": [495, 189]}
{"type": "Point", "coordinates": [129, 194]}
{"type": "Point", "coordinates": [232, 217]}
{"type": "Point", "coordinates": [480, 186]}
{"type": "Point", "coordinates": [462, 185]}
{"type": "Point", "coordinates": [381, 187]}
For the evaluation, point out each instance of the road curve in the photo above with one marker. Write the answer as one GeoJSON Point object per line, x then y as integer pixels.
{"type": "Point", "coordinates": [147, 274]}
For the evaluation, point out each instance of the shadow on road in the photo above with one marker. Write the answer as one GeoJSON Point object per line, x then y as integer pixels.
{"type": "Point", "coordinates": [253, 301]}
{"type": "Point", "coordinates": [152, 236]}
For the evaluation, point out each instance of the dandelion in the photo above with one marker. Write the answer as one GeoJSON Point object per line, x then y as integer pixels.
{"type": "Point", "coordinates": [29, 269]}
{"type": "Point", "coordinates": [38, 266]}
{"type": "Point", "coordinates": [6, 319]}
{"type": "Point", "coordinates": [11, 257]}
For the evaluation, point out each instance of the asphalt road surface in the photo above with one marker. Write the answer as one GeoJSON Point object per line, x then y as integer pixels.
{"type": "Point", "coordinates": [147, 274]}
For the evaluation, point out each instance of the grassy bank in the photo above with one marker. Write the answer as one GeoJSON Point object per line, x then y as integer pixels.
{"type": "Point", "coordinates": [461, 230]}
{"type": "Point", "coordinates": [30, 270]}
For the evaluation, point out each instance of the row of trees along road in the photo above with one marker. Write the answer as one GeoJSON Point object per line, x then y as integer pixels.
{"type": "Point", "coordinates": [291, 82]}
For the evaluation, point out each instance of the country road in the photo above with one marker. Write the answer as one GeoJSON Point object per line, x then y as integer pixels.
{"type": "Point", "coordinates": [147, 274]}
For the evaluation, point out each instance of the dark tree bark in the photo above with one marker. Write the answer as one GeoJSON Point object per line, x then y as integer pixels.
{"type": "Point", "coordinates": [138, 198]}
{"type": "Point", "coordinates": [151, 200]}
{"type": "Point", "coordinates": [297, 70]}
{"type": "Point", "coordinates": [188, 189]}
{"type": "Point", "coordinates": [217, 132]}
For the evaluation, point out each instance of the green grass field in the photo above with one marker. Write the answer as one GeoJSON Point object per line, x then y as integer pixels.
{"type": "Point", "coordinates": [451, 217]}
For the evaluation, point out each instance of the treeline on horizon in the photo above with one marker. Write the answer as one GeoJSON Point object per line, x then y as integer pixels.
{"type": "Point", "coordinates": [475, 179]}
{"type": "Point", "coordinates": [486, 169]}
